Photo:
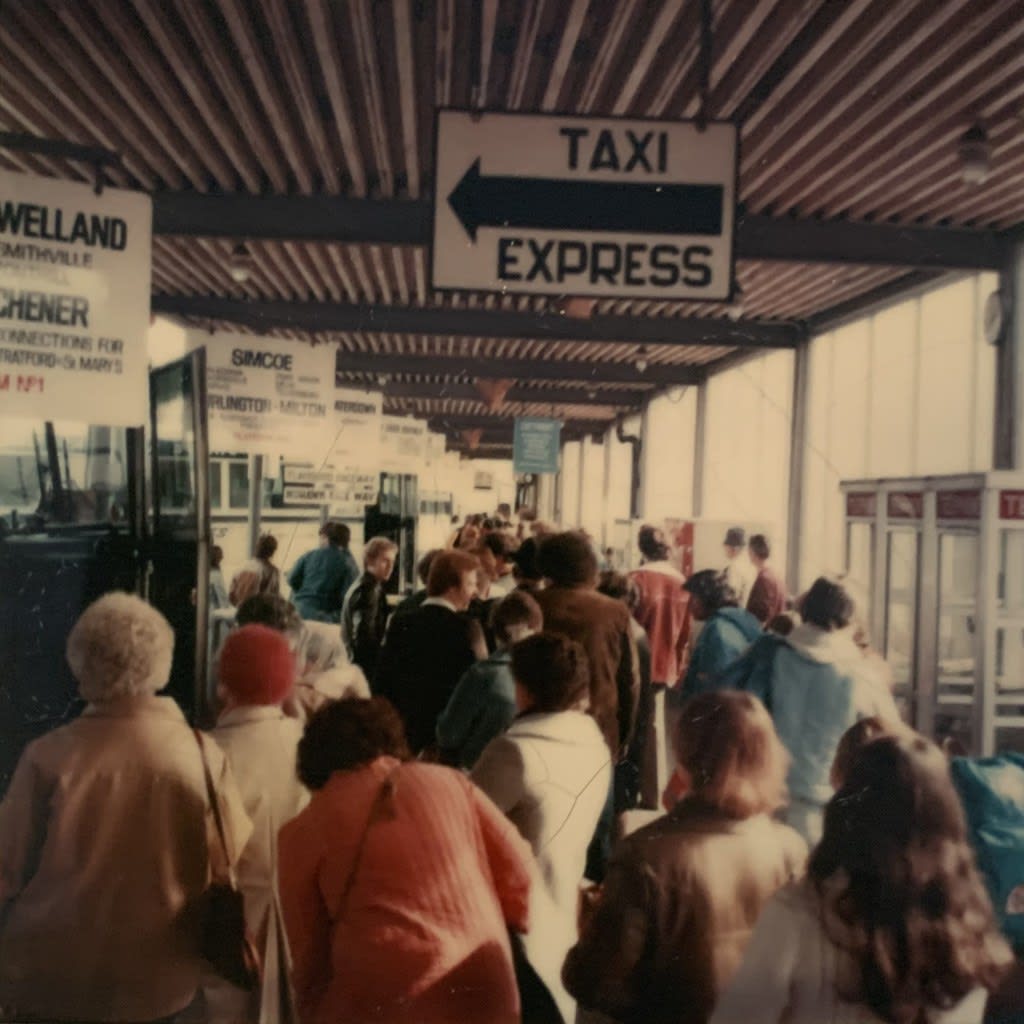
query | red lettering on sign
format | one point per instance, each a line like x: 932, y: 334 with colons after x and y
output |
x: 5, y: 382
x: 861, y: 504
x: 905, y: 505
x: 958, y: 504
x: 1011, y: 504
x: 31, y: 384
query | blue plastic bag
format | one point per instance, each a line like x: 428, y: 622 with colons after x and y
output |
x: 992, y: 792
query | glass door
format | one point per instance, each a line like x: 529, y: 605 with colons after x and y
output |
x: 177, y: 578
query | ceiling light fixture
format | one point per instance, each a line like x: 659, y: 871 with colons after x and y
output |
x: 737, y: 306
x: 241, y: 263
x: 641, y: 359
x: 975, y: 151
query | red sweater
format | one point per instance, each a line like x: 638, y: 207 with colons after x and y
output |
x: 663, y: 614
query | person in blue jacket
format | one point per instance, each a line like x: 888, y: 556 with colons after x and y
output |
x: 321, y: 578
x: 726, y: 633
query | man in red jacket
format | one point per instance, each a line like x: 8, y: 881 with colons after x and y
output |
x: 768, y: 594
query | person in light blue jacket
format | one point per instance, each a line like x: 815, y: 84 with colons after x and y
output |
x: 727, y: 630
x: 816, y: 682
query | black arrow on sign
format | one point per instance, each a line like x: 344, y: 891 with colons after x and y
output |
x: 556, y: 204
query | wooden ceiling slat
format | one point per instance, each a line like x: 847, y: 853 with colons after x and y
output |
x: 302, y: 257
x: 420, y: 266
x: 445, y: 35
x: 216, y: 256
x: 370, y: 80
x: 380, y: 275
x: 343, y: 270
x: 405, y: 58
x: 624, y: 17
x: 529, y: 18
x: 239, y: 18
x: 216, y: 61
x: 64, y: 92
x: 270, y: 254
x: 300, y: 87
x: 60, y: 50
x: 669, y: 80
x: 566, y: 47
x: 172, y: 259
x: 329, y: 59
x: 858, y: 27
x: 357, y: 255
x: 226, y: 158
x: 660, y: 27
x: 133, y: 90
x: 231, y: 135
x: 826, y: 154
x: 922, y: 151
x: 15, y: 119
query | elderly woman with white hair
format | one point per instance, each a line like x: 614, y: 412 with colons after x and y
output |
x: 105, y: 837
x: 325, y: 672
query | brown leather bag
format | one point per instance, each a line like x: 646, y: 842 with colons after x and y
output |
x: 225, y: 940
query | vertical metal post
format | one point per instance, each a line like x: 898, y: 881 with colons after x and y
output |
x: 639, y: 505
x: 797, y: 452
x: 983, y: 711
x: 926, y: 660
x: 1008, y: 442
x: 584, y: 443
x: 606, y: 532
x: 700, y: 428
x: 255, y: 500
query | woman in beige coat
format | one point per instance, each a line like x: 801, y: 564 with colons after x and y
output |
x: 256, y: 672
x: 105, y: 836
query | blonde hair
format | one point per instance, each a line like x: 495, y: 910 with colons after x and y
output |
x: 376, y: 547
x: 727, y: 745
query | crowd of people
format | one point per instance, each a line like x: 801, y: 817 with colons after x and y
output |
x: 429, y: 808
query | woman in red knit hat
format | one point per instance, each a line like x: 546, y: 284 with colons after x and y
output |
x: 256, y: 673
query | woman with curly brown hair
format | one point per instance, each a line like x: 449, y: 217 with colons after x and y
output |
x: 892, y: 923
x: 398, y: 882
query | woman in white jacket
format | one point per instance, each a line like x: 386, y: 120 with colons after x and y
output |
x: 550, y: 774
x: 256, y: 673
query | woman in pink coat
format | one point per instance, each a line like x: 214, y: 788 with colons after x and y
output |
x: 399, y: 882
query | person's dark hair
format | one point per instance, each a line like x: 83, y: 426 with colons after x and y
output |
x: 759, y: 547
x: 216, y: 556
x: 783, y: 624
x: 898, y: 884
x: 447, y: 570
x: 424, y: 564
x: 712, y: 589
x: 828, y: 604
x: 266, y: 546
x: 619, y: 587
x: 346, y: 734
x: 651, y: 542
x: 516, y: 609
x: 496, y: 543
x: 567, y: 559
x: 553, y: 670
x: 726, y: 743
x: 269, y: 610
x: 525, y: 561
x: 491, y: 524
x: 338, y: 534
x: 855, y: 739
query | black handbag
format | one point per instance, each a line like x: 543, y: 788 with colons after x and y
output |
x: 225, y: 941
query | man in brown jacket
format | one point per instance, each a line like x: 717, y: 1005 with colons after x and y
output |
x: 572, y: 606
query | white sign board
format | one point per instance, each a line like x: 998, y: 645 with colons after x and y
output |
x: 558, y: 205
x: 268, y: 395
x: 403, y: 444
x: 357, y: 427
x: 74, y: 301
x: 354, y: 489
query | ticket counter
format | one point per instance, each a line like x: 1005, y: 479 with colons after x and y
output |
x: 940, y: 561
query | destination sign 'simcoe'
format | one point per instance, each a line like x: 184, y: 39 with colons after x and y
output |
x: 584, y: 206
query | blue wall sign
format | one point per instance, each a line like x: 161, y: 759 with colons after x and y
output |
x: 536, y: 445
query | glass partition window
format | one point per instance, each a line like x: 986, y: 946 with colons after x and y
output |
x: 958, y: 600
x: 238, y: 485
x: 859, y: 546
x: 1010, y: 629
x: 901, y: 610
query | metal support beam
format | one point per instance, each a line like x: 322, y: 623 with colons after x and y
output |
x: 468, y: 367
x: 264, y: 314
x: 1008, y: 436
x: 904, y: 287
x: 505, y: 424
x: 797, y: 451
x: 700, y: 427
x: 465, y: 391
x: 403, y: 222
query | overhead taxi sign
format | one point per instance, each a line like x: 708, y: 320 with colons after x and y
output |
x: 557, y: 205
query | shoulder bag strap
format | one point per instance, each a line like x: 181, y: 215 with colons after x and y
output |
x: 211, y: 794
x: 387, y: 787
